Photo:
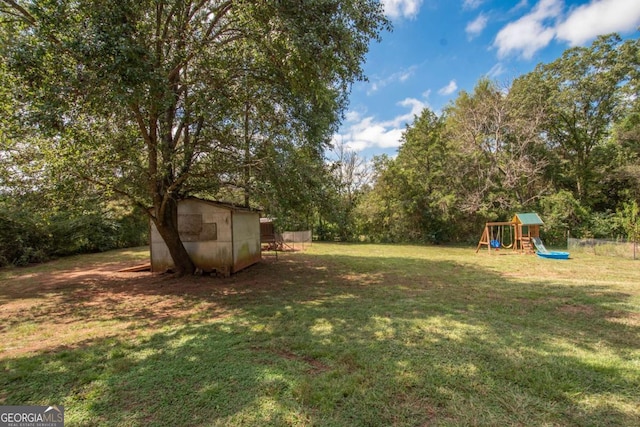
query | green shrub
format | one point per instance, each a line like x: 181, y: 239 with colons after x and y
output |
x: 562, y: 215
x: 22, y: 239
x: 29, y: 236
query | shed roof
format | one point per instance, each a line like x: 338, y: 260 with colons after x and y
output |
x: 530, y: 218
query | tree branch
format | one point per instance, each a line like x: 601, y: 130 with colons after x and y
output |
x: 22, y: 12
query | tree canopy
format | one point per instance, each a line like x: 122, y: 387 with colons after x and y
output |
x: 561, y: 140
x: 157, y: 99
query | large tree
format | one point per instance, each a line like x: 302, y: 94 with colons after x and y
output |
x: 421, y: 175
x: 499, y: 164
x: 582, y: 94
x: 155, y: 99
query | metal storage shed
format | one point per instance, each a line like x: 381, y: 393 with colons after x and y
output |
x: 218, y: 236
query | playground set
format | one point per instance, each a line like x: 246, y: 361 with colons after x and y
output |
x: 520, y: 235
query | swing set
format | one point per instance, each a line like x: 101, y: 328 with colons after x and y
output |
x: 497, y: 235
x: 517, y: 235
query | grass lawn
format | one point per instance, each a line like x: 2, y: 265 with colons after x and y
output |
x: 339, y: 335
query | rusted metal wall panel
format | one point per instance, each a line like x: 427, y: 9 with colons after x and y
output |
x: 160, y: 257
x: 246, y: 239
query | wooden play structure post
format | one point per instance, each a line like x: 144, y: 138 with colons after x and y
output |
x: 523, y: 227
x: 493, y: 236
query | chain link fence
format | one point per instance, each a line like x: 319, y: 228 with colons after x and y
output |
x: 296, y: 240
x: 604, y: 247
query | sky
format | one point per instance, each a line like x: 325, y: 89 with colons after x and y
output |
x: 439, y: 47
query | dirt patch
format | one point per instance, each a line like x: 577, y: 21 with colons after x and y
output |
x: 45, y: 311
x: 626, y: 318
x: 577, y: 309
x: 315, y: 366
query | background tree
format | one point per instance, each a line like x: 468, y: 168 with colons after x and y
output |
x: 295, y: 188
x: 626, y: 132
x: 476, y: 131
x: 499, y: 156
x: 582, y: 99
x: 422, y: 180
x: 379, y: 211
x: 349, y: 179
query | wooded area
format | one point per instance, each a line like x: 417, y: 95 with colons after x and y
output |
x: 563, y: 141
x: 108, y: 109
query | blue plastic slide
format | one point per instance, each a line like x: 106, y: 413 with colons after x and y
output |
x: 544, y: 253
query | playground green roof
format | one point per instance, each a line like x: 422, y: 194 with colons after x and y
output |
x: 531, y: 218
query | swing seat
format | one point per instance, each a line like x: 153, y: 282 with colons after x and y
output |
x: 495, y: 244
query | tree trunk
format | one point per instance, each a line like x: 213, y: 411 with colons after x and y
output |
x: 167, y: 225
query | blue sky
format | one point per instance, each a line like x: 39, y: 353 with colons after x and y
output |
x: 439, y: 47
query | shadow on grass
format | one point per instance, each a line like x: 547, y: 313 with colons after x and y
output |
x: 339, y: 340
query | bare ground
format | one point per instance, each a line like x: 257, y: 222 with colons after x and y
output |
x: 41, y: 312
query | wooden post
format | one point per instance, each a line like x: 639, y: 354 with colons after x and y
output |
x: 484, y: 238
x: 486, y: 235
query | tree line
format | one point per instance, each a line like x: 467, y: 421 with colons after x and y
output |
x: 562, y: 140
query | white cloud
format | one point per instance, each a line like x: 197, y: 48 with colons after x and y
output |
x: 352, y: 116
x: 400, y: 76
x: 369, y: 132
x: 416, y: 108
x: 496, y: 71
x: 521, y: 5
x: 475, y: 27
x: 531, y: 32
x: 404, y: 76
x: 402, y: 8
x: 471, y: 4
x: 599, y: 17
x: 449, y: 89
x: 546, y: 22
